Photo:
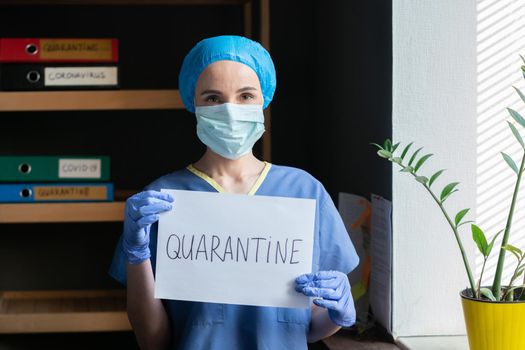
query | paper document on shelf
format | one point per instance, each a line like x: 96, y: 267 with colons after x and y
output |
x: 234, y: 249
x: 356, y: 213
x: 381, y: 254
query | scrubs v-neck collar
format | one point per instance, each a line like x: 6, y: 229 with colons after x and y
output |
x: 219, y: 188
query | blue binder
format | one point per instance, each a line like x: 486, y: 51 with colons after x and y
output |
x: 56, y: 192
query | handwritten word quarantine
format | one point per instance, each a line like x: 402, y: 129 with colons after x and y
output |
x: 212, y: 248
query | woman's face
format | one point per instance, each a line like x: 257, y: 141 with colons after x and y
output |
x: 228, y: 82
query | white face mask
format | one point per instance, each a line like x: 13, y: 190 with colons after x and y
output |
x: 230, y: 129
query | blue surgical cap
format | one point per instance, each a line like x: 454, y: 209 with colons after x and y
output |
x: 230, y: 48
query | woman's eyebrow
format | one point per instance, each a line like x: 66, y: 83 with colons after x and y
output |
x: 217, y: 92
x: 205, y: 92
x: 246, y: 88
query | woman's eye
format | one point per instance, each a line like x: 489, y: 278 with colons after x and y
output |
x: 247, y: 97
x: 213, y: 99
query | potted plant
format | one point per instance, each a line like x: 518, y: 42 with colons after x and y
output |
x: 495, y: 314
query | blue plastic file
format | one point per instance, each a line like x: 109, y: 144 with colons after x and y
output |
x: 56, y: 192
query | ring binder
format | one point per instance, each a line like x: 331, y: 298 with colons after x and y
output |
x: 58, y: 50
x: 54, y: 168
x: 22, y: 77
x: 56, y: 192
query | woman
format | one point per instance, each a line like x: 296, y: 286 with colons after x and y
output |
x: 227, y: 81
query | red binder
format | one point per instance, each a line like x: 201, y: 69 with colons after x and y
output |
x: 58, y: 50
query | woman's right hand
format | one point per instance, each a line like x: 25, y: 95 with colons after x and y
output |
x: 142, y: 210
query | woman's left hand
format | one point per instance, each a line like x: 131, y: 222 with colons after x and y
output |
x: 332, y: 291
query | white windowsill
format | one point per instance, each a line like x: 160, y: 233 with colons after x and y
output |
x: 452, y: 342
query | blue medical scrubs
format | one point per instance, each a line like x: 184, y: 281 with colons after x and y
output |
x: 210, y: 326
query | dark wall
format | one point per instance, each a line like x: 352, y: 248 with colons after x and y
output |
x: 334, y: 65
x: 294, y: 54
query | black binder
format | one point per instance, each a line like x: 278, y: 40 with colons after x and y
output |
x: 24, y: 77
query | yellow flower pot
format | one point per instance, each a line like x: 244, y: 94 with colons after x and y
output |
x: 494, y: 325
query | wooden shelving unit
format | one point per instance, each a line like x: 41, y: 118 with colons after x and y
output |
x: 40, y: 311
x: 63, y: 311
x: 61, y: 212
x: 89, y: 100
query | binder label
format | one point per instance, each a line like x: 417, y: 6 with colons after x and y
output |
x: 80, y: 76
x: 79, y: 168
x: 46, y: 193
x: 95, y: 49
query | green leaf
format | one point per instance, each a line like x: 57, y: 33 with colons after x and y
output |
x: 516, y: 134
x: 517, y: 117
x: 403, y: 154
x: 397, y: 160
x: 510, y: 162
x: 388, y: 145
x: 444, y: 199
x: 514, y: 250
x: 447, y: 190
x: 481, y: 241
x: 422, y: 179
x: 378, y: 146
x: 421, y: 161
x: 520, y: 93
x: 384, y: 154
x: 523, y: 59
x: 489, y: 248
x: 395, y: 147
x: 434, y: 177
x: 460, y: 215
x: 407, y: 169
x: 414, y: 156
x: 487, y: 293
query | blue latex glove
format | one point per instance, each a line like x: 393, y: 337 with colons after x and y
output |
x: 332, y: 291
x: 142, y: 210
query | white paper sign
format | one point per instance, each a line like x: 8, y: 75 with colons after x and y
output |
x: 234, y: 249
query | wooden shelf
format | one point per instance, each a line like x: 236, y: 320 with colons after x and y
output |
x: 89, y: 100
x: 61, y: 212
x: 63, y: 311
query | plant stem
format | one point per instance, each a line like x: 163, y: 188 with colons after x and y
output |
x: 456, y: 234
x: 496, y: 285
x: 458, y: 239
x: 512, y: 279
x: 521, y: 291
x: 481, y: 276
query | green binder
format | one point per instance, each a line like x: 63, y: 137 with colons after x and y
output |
x: 54, y: 168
